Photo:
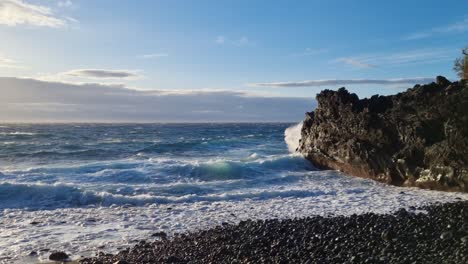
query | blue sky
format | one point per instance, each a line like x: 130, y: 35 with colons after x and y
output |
x: 274, y: 48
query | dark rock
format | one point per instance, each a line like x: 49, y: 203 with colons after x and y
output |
x: 58, y: 256
x: 161, y: 234
x: 386, y: 235
x: 442, y: 81
x: 446, y: 235
x: 33, y: 254
x: 415, y: 138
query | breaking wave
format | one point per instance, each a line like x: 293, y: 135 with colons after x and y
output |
x: 292, y: 135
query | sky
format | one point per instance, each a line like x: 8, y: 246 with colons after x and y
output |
x: 215, y: 60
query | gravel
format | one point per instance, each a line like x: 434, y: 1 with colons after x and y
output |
x: 431, y: 234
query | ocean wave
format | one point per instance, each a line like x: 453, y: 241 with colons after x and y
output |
x: 43, y: 196
x: 74, y: 151
x: 40, y: 196
x: 9, y: 142
x: 292, y: 135
x: 227, y: 169
x: 221, y: 170
x: 199, y: 145
x: 17, y: 133
x: 169, y: 147
x: 291, y: 162
x: 165, y: 170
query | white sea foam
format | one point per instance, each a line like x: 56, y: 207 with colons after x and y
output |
x: 292, y: 135
x: 16, y: 133
x: 82, y: 230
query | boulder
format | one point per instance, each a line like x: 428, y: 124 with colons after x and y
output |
x: 415, y: 138
x: 58, y: 256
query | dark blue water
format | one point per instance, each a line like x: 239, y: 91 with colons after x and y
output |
x: 57, y: 166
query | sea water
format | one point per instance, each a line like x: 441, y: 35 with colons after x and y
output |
x: 84, y: 188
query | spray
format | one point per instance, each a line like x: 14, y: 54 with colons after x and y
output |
x: 292, y: 135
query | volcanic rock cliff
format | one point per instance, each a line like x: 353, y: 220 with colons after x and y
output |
x: 414, y: 138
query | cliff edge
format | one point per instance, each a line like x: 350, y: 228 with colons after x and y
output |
x: 414, y: 138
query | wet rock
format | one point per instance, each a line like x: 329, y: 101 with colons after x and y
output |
x: 160, y: 234
x: 386, y: 235
x: 58, y: 256
x: 446, y: 235
x: 415, y: 138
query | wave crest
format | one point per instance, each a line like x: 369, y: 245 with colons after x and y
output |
x: 292, y: 135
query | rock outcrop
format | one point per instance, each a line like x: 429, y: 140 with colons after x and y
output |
x: 415, y: 138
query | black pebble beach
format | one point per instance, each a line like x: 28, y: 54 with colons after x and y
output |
x: 431, y: 234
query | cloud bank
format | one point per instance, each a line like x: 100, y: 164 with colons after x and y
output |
x: 153, y: 55
x: 30, y: 100
x: 313, y: 83
x: 103, y: 74
x: 9, y: 63
x: 355, y: 62
x: 18, y: 12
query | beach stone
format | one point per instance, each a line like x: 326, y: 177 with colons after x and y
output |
x: 58, y: 256
x: 160, y: 234
x: 446, y: 235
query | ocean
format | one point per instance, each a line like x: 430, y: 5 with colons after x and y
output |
x: 84, y: 188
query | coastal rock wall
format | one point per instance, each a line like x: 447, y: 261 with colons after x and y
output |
x: 415, y: 138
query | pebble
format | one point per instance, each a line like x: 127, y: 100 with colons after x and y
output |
x: 403, y: 237
x: 58, y: 256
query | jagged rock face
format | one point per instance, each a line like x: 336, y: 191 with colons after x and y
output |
x: 415, y: 138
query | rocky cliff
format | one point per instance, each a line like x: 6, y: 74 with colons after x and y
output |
x: 415, y: 138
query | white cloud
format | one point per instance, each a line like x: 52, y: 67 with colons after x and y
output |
x: 6, y: 61
x: 458, y: 27
x: 309, y: 52
x: 356, y: 62
x: 19, y: 12
x: 313, y: 83
x: 153, y: 55
x: 397, y: 58
x: 26, y: 100
x: 103, y: 74
x: 242, y: 41
x: 220, y: 39
x: 65, y: 3
x: 9, y: 63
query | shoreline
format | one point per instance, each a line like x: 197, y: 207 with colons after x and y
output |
x: 436, y: 233
x: 111, y: 229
